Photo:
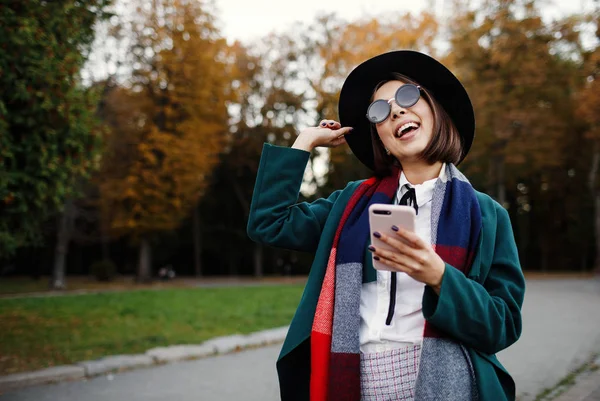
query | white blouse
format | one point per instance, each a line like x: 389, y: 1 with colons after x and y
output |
x: 408, y: 322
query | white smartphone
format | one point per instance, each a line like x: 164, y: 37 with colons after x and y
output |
x: 381, y: 219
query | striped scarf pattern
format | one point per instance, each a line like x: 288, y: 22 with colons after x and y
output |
x: 335, y: 346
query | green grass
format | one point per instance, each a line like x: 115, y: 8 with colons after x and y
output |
x: 49, y: 331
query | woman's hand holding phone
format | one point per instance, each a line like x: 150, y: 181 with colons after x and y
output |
x: 401, y: 250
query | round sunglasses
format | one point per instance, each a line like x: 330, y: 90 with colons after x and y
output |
x: 406, y: 96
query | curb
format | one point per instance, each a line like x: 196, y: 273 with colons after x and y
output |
x: 152, y: 357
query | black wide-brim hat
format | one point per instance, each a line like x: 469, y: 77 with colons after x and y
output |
x: 358, y: 88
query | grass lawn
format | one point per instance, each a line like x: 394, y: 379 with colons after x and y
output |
x: 12, y: 286
x: 49, y: 331
x: 20, y: 285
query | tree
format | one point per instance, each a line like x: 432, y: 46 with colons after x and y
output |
x: 519, y: 72
x: 268, y: 105
x: 48, y: 134
x: 502, y: 53
x: 167, y: 126
x: 588, y: 104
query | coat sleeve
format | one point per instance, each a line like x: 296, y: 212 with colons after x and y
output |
x: 275, y: 216
x: 484, y: 317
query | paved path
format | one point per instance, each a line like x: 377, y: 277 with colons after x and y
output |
x: 561, y: 330
x: 248, y: 376
x: 587, y: 387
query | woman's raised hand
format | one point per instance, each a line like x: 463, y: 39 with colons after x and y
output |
x: 328, y: 133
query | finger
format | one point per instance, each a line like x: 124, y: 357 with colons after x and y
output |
x: 398, y: 244
x: 341, y: 131
x: 393, y: 265
x: 338, y: 141
x: 410, y: 237
x: 400, y: 259
x: 334, y: 124
x: 323, y: 124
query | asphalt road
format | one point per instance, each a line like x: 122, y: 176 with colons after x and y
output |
x: 561, y: 330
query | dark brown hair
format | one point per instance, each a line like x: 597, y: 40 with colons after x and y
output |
x: 445, y: 145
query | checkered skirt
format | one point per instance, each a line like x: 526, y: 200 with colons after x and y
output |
x: 389, y: 375
x: 437, y: 370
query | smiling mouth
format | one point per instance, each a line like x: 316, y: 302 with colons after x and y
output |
x: 406, y: 129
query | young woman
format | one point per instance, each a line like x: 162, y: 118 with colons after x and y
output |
x: 427, y: 327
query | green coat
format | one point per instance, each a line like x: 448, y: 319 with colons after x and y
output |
x: 481, y: 310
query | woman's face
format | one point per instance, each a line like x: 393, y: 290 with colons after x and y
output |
x: 407, y: 131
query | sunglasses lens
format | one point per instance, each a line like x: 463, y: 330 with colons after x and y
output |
x: 378, y: 111
x: 407, y: 95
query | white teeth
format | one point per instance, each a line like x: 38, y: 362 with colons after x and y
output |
x: 400, y: 130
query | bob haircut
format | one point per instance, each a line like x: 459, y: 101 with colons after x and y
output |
x: 445, y: 145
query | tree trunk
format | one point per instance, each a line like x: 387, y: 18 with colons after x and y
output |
x: 258, y: 249
x: 496, y: 174
x: 500, y: 184
x: 597, y: 230
x: 63, y: 238
x: 232, y: 264
x: 596, y: 198
x: 545, y: 252
x: 542, y: 240
x: 105, y: 239
x: 524, y: 235
x: 197, y: 243
x: 258, y: 260
x: 491, y: 179
x: 144, y: 266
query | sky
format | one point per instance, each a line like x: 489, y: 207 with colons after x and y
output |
x: 247, y: 20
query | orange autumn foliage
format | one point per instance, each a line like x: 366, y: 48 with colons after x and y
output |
x: 169, y: 124
x: 588, y: 99
x: 504, y: 54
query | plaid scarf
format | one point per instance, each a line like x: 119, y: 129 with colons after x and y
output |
x: 335, y: 347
